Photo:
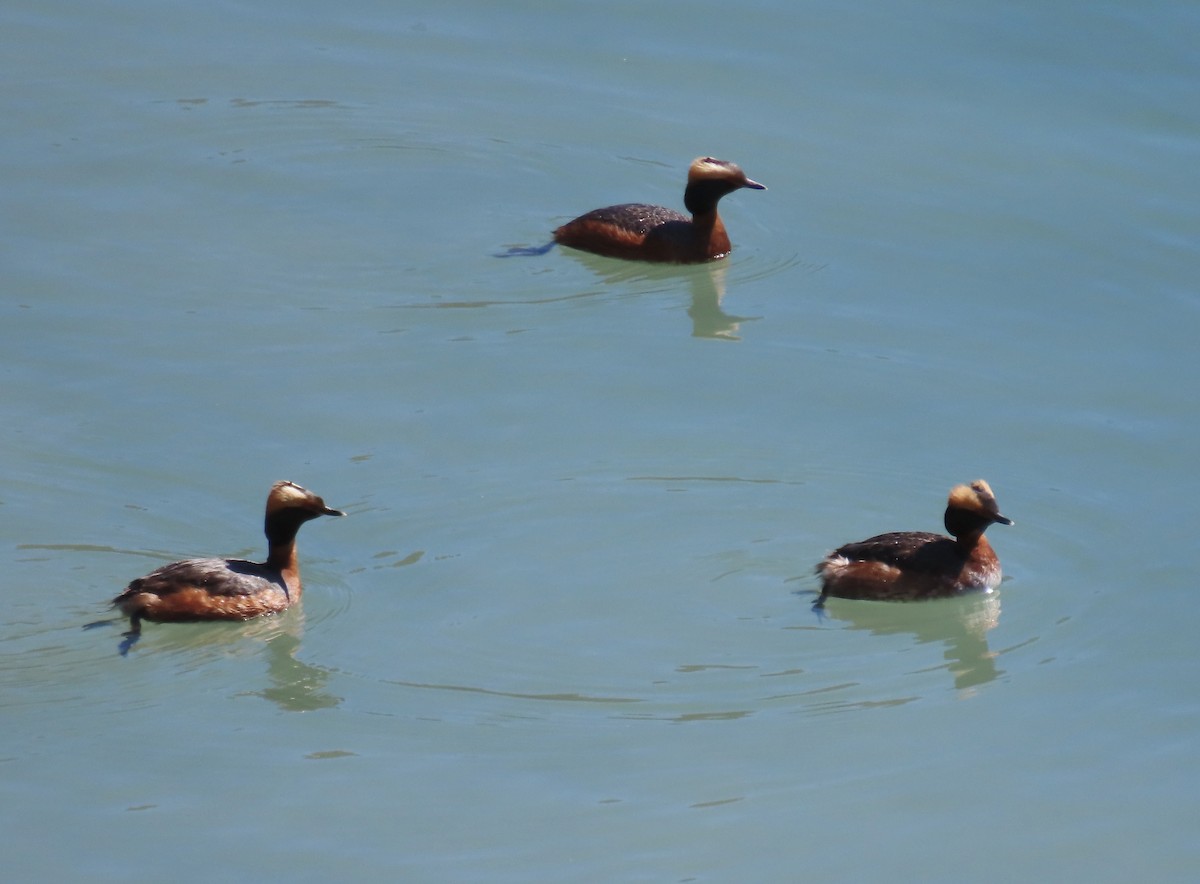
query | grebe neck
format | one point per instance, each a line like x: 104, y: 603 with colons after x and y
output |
x: 701, y: 197
x: 281, y: 528
x: 966, y: 527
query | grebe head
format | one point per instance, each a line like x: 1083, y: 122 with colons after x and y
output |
x: 290, y: 496
x: 972, y: 507
x: 710, y: 179
x: 712, y: 169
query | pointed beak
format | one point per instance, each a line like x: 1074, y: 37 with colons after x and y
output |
x: 1002, y: 520
x: 329, y: 511
x: 754, y: 185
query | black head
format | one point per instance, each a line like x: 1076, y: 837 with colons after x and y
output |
x: 971, y: 508
x: 289, y: 506
x: 709, y: 179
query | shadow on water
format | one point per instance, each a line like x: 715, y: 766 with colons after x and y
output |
x: 960, y: 624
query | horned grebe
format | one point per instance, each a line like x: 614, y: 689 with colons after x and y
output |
x: 653, y: 233
x: 228, y: 589
x: 910, y: 565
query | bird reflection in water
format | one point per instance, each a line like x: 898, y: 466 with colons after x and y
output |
x: 961, y: 624
x: 295, y: 686
x: 706, y: 283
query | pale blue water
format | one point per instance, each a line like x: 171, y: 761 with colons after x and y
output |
x: 565, y: 634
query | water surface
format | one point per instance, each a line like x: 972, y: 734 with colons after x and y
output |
x: 565, y: 633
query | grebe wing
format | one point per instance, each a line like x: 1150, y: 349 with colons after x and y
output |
x: 637, y: 217
x: 895, y: 548
x: 215, y: 576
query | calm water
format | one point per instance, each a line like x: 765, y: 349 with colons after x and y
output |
x: 565, y: 633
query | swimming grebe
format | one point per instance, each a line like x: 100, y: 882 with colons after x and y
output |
x: 228, y: 589
x: 910, y: 565
x: 653, y: 233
